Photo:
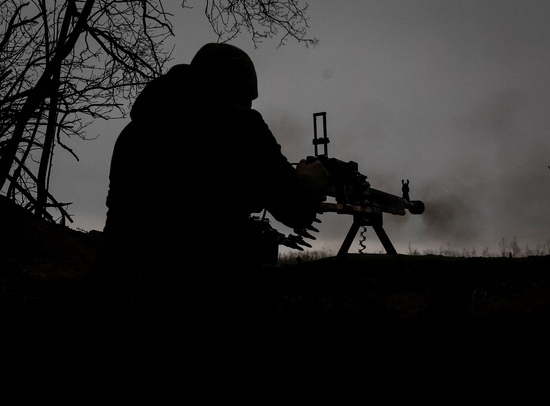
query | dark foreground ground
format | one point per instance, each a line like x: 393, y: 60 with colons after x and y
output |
x: 369, y: 329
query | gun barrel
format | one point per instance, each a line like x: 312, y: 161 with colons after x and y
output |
x: 393, y: 204
x: 416, y: 207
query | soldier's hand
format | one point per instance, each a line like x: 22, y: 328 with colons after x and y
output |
x: 314, y: 170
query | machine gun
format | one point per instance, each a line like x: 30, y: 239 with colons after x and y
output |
x: 354, y: 196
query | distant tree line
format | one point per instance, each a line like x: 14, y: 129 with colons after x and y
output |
x: 506, y: 248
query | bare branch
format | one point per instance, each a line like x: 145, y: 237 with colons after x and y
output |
x: 261, y: 18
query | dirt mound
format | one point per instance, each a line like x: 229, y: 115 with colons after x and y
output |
x: 365, y: 328
x: 40, y: 259
x: 41, y: 248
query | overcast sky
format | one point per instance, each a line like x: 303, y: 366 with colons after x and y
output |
x: 453, y: 95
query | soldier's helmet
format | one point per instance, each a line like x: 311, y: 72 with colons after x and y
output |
x: 225, y: 71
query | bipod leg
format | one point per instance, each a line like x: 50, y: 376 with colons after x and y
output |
x: 384, y: 239
x: 350, y: 236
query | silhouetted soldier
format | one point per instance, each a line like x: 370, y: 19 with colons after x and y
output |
x: 195, y: 161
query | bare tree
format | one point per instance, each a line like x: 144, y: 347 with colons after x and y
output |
x: 64, y: 63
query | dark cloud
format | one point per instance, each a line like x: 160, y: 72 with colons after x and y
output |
x: 496, y: 117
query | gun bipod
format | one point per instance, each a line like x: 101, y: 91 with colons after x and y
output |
x: 361, y: 218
